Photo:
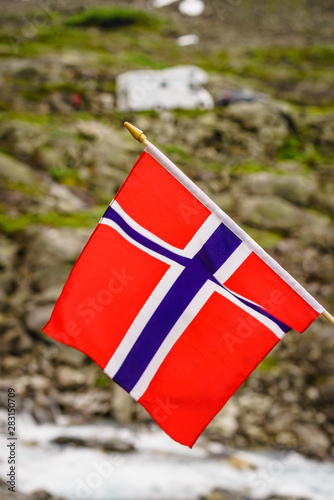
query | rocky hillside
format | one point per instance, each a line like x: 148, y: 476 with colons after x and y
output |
x: 269, y: 165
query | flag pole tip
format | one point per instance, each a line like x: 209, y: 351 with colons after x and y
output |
x: 136, y: 133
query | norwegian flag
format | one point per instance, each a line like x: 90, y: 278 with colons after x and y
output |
x: 174, y: 301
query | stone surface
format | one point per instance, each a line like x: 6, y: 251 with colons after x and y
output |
x: 8, y: 250
x: 37, y: 317
x: 123, y: 405
x: 226, y: 422
x: 266, y: 120
x: 272, y: 213
x: 21, y: 138
x: 313, y: 439
x: 63, y: 200
x: 51, y: 252
x: 14, y: 339
x: 69, y: 356
x: 268, y: 165
x: 69, y: 378
x: 15, y: 172
x: 296, y: 189
x: 326, y: 392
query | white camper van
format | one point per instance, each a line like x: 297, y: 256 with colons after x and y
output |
x: 171, y: 88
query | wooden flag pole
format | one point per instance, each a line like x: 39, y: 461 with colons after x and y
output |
x: 141, y: 137
x: 328, y: 316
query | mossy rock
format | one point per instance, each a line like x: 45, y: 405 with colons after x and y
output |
x: 113, y: 17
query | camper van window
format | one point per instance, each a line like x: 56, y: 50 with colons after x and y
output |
x: 194, y: 87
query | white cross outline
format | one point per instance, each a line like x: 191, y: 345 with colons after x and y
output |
x: 222, y: 274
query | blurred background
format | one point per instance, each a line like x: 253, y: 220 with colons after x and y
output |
x: 255, y: 130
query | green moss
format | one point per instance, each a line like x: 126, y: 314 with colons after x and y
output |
x: 138, y: 47
x: 60, y: 36
x: 103, y: 382
x: 4, y: 106
x: 48, y: 38
x: 189, y: 113
x: 173, y: 149
x: 11, y: 225
x: 291, y: 149
x: 302, y: 57
x: 113, y: 17
x: 313, y: 156
x: 88, y: 218
x: 266, y: 239
x: 35, y: 92
x: 276, y: 70
x: 177, y: 154
x: 295, y: 148
x: 213, y: 166
x: 249, y: 168
x: 285, y: 67
x: 267, y: 364
x: 69, y: 86
x: 67, y: 176
x: 39, y: 119
x: 222, y: 61
x: 138, y: 59
x: 31, y: 190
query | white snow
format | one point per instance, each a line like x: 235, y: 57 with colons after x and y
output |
x: 185, y: 40
x: 188, y: 7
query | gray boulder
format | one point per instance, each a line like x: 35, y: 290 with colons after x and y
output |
x: 50, y: 254
x: 21, y: 138
x: 296, y: 189
x: 272, y: 213
x: 262, y: 118
x: 15, y: 172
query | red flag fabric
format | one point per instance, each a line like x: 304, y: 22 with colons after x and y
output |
x: 174, y: 301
